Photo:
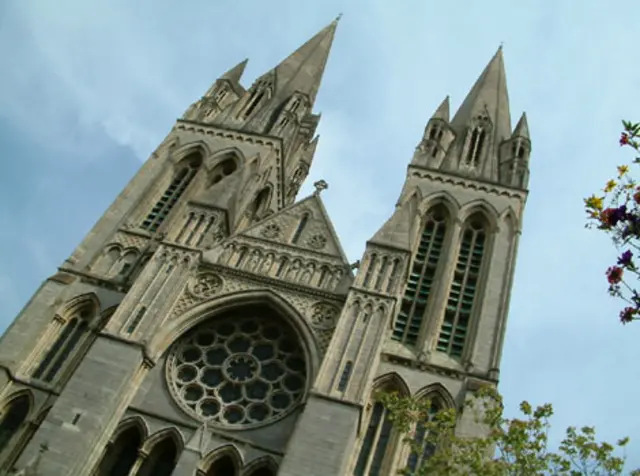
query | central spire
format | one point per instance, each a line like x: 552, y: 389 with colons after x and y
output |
x: 302, y: 70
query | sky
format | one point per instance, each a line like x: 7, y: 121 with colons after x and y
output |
x: 89, y: 89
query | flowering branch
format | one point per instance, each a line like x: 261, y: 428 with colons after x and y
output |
x: 617, y: 213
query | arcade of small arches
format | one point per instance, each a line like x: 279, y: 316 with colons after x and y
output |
x: 130, y: 452
x: 119, y: 262
x: 380, y: 447
x: 282, y: 265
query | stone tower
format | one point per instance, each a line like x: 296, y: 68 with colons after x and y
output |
x: 210, y: 323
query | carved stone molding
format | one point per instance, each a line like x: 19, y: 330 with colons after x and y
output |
x: 324, y: 315
x: 271, y: 231
x: 205, y: 285
x: 317, y: 242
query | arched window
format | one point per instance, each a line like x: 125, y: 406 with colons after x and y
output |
x: 209, y: 222
x: 421, y: 279
x: 107, y: 261
x: 12, y: 418
x: 300, y: 229
x: 126, y: 263
x: 172, y: 193
x: 221, y: 94
x: 417, y: 458
x: 261, y: 203
x: 223, y: 169
x: 223, y: 467
x: 136, y: 320
x: 293, y: 106
x: 256, y: 97
x: 457, y: 316
x: 375, y: 444
x: 370, y: 269
x: 121, y: 454
x: 74, y: 331
x: 381, y: 273
x: 474, y: 148
x: 140, y: 266
x: 344, y: 377
x: 162, y: 459
x: 393, y: 276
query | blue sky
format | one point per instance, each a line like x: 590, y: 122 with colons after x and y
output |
x: 88, y: 89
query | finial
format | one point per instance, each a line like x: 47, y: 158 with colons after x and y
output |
x: 320, y: 185
x: 338, y: 17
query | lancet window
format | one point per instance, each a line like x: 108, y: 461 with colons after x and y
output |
x: 421, y: 278
x: 462, y: 294
x: 376, y: 449
x: 475, y: 145
x: 172, y: 193
x: 73, y: 333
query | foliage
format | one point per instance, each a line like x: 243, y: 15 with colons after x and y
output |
x: 512, y: 446
x: 616, y: 211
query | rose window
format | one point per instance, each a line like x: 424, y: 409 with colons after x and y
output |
x: 242, y: 369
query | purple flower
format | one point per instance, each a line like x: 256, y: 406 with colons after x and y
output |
x: 625, y: 258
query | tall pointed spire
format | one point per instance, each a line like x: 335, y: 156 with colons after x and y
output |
x: 302, y: 70
x: 235, y: 73
x: 489, y: 94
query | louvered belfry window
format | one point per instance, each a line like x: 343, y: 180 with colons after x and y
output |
x: 421, y: 278
x: 172, y: 194
x: 457, y: 316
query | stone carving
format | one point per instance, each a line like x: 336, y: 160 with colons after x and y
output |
x: 307, y: 273
x: 130, y: 240
x: 324, y: 338
x: 267, y: 263
x: 292, y: 272
x: 324, y: 315
x: 205, y: 285
x: 320, y: 185
x: 254, y: 260
x: 317, y: 242
x: 238, y: 371
x: 217, y: 236
x: 271, y: 230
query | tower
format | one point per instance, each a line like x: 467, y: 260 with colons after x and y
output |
x: 211, y: 324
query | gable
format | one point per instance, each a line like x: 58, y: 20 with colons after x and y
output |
x: 289, y: 226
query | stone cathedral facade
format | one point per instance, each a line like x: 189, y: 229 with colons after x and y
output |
x: 210, y: 323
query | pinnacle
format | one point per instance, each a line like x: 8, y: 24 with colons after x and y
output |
x: 443, y: 110
x: 522, y: 127
x: 235, y: 73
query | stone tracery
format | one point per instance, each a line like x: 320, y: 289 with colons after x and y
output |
x: 243, y: 369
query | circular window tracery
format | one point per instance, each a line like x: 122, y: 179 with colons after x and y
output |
x: 243, y: 369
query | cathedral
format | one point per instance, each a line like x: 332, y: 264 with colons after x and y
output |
x: 210, y: 324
